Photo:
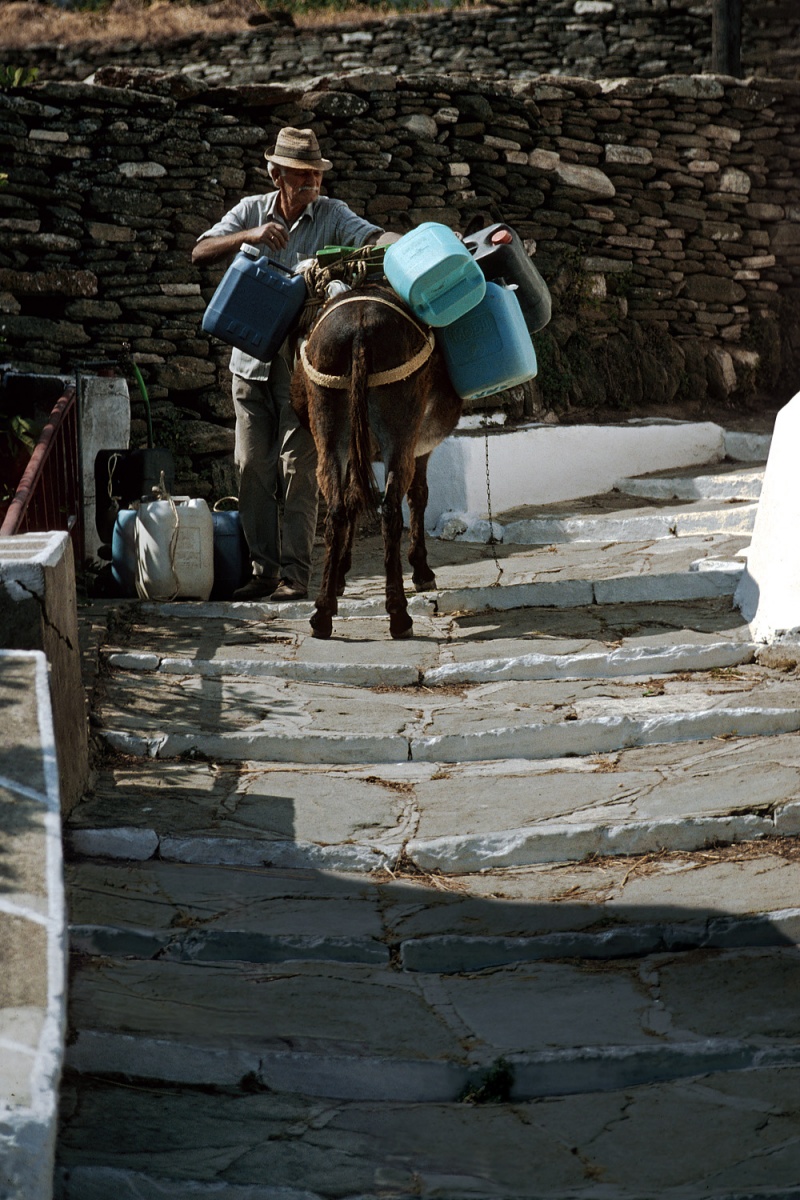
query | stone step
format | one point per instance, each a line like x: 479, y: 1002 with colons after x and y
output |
x: 635, y: 525
x: 741, y: 895
x: 622, y: 639
x: 474, y: 576
x: 236, y: 718
x: 728, y: 481
x: 611, y: 517
x: 737, y: 1133
x: 453, y: 818
x: 357, y: 1031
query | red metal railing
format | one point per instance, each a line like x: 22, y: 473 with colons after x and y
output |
x: 49, y: 495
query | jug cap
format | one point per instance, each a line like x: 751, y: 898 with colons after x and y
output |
x: 250, y: 250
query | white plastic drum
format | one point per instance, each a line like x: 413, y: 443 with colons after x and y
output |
x: 174, y: 549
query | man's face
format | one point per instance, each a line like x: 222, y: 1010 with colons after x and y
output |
x: 297, y: 188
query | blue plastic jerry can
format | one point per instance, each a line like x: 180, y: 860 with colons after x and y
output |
x: 231, y: 555
x: 489, y: 349
x: 434, y: 273
x: 123, y: 552
x: 256, y: 305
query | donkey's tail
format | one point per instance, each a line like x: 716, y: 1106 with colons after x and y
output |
x: 361, y: 487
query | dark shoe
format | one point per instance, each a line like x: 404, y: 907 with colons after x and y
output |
x: 287, y: 590
x: 258, y: 588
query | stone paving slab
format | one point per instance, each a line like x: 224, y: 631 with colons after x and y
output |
x: 356, y: 1031
x: 731, y: 1138
x: 742, y: 895
x: 216, y: 913
x: 737, y: 1133
x: 510, y: 814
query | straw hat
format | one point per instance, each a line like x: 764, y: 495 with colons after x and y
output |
x: 298, y: 148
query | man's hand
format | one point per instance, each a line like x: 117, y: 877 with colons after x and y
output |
x: 273, y: 235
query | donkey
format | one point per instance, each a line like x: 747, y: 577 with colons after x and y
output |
x: 370, y: 380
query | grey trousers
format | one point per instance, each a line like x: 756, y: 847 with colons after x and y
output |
x: 276, y: 457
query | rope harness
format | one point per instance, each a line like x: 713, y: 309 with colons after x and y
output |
x: 380, y: 378
x: 354, y: 269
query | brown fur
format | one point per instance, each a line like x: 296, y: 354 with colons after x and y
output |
x: 402, y: 422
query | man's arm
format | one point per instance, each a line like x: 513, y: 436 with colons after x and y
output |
x: 212, y: 249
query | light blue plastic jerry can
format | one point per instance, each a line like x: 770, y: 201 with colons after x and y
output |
x: 489, y: 349
x: 434, y: 273
x: 256, y: 305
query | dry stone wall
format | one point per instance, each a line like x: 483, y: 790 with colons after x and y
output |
x: 588, y: 38
x: 664, y: 214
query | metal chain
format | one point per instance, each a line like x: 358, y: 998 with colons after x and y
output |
x: 492, y: 539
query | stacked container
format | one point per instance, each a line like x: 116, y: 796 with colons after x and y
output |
x: 480, y: 324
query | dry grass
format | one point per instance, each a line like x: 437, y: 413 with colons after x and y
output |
x: 25, y: 22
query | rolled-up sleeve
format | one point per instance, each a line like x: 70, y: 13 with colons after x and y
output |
x: 352, y: 230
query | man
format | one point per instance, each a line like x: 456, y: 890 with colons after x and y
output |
x: 290, y: 223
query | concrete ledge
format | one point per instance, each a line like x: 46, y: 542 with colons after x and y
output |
x: 38, y: 611
x: 32, y: 930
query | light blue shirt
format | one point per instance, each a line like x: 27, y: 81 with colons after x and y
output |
x: 324, y: 222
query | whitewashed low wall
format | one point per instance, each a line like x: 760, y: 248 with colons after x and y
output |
x: 542, y: 464
x: 32, y: 930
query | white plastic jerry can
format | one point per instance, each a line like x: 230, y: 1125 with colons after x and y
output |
x: 174, y: 540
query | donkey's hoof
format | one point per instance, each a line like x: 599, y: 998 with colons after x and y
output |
x: 321, y: 625
x: 425, y: 585
x: 401, y: 627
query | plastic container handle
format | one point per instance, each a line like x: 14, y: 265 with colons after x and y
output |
x: 254, y: 253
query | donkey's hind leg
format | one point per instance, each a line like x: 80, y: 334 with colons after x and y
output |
x: 326, y: 604
x: 346, y: 557
x: 422, y: 576
x: 400, y: 623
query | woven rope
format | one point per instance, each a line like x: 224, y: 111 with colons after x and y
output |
x: 380, y: 378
